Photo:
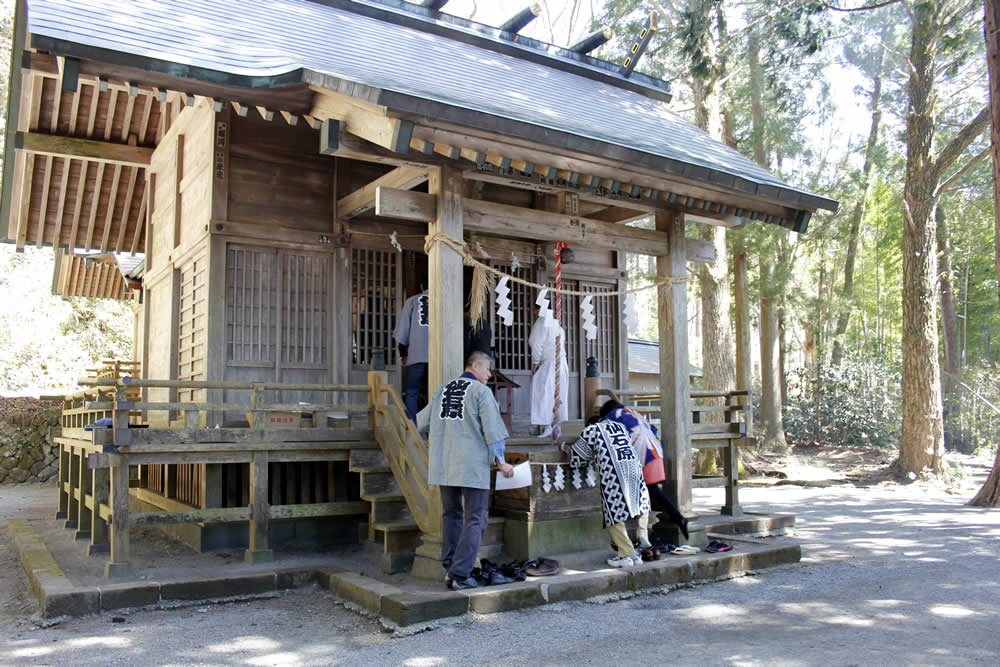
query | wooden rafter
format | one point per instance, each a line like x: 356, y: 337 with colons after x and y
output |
x: 44, y: 210
x: 363, y: 199
x: 123, y: 223
x: 61, y: 208
x: 94, y: 201
x: 25, y: 201
x: 140, y: 227
x: 109, y: 117
x: 97, y: 151
x: 109, y: 215
x: 78, y: 206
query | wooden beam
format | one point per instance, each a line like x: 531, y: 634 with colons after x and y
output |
x: 363, y: 200
x: 405, y: 204
x: 98, y: 151
x: 503, y: 220
x: 140, y: 218
x: 109, y: 117
x: 617, y: 214
x: 363, y: 119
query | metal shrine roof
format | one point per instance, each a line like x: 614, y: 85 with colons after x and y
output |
x: 420, y: 61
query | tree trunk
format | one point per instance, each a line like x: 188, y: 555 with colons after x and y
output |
x: 989, y: 495
x: 856, y: 216
x: 770, y: 399
x: 948, y: 316
x: 921, y: 446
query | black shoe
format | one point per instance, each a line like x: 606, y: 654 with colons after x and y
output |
x: 462, y: 584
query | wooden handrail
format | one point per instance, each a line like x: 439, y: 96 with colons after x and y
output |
x: 410, y: 426
x: 209, y: 384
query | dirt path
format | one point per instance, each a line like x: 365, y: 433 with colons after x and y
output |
x: 891, y: 575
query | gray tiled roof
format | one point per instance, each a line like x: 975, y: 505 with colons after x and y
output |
x: 644, y: 357
x: 264, y: 40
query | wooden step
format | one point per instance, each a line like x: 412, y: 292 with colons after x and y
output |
x: 383, y: 497
x: 390, y: 511
x: 378, y: 483
x: 368, y: 460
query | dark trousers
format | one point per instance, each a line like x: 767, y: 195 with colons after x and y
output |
x: 659, y: 502
x: 463, y: 525
x: 416, y: 378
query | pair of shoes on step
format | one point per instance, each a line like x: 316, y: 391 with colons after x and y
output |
x: 625, y: 561
x: 462, y: 584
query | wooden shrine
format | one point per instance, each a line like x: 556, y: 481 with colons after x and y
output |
x: 281, y: 172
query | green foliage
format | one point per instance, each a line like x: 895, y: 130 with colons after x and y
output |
x: 857, y: 404
x: 47, y: 342
x: 971, y: 417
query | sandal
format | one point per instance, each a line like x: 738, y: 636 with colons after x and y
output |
x: 718, y: 547
x: 684, y: 550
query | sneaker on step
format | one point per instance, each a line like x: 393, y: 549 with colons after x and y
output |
x: 637, y: 559
x: 622, y: 561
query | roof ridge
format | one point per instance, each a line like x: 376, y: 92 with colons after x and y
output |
x: 417, y: 17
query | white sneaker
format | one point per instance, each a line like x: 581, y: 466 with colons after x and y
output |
x: 637, y: 560
x: 644, y: 541
x: 622, y: 561
x: 546, y: 432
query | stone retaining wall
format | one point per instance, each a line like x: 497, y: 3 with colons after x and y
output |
x: 27, y: 451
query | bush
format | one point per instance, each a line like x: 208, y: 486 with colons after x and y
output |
x: 855, y: 404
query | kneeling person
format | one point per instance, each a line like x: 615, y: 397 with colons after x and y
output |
x: 467, y: 435
x: 608, y: 446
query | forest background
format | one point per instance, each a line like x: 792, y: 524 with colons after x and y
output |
x: 877, y: 328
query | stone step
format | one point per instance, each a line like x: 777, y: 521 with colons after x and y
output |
x: 368, y: 460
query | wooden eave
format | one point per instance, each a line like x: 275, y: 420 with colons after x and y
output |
x: 81, y: 154
x: 95, y: 277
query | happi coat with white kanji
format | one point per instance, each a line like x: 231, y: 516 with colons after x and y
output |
x: 608, y: 446
x: 463, y: 420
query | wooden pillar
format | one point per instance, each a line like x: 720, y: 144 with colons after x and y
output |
x: 83, y: 524
x: 260, y: 511
x: 444, y: 273
x: 63, y: 511
x: 121, y: 549
x: 675, y: 387
x: 101, y: 485
x: 73, y: 515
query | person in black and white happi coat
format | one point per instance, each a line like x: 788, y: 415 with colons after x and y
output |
x: 608, y: 446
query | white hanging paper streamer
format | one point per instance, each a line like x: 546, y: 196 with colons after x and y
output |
x: 482, y: 251
x: 587, y: 317
x: 631, y: 315
x: 504, y: 312
x: 591, y: 476
x: 560, y: 482
x: 546, y: 482
x: 394, y: 240
x: 515, y: 263
x: 577, y: 479
x: 544, y: 310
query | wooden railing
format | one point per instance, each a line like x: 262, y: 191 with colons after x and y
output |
x: 406, y: 452
x: 718, y: 420
x: 94, y: 468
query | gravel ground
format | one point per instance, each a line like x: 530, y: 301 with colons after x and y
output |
x: 890, y: 575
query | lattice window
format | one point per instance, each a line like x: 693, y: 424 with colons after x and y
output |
x: 374, y: 301
x: 251, y: 305
x: 511, y: 343
x: 191, y: 326
x: 607, y: 319
x: 305, y: 298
